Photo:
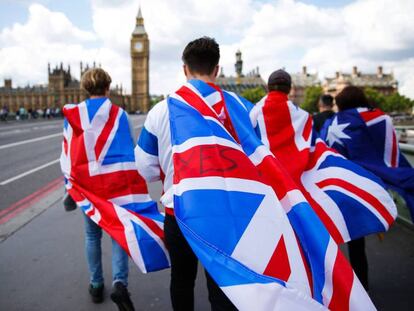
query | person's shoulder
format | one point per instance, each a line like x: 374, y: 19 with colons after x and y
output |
x: 158, y: 110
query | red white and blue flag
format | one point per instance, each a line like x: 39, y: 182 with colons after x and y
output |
x: 99, y: 167
x: 243, y: 216
x: 367, y: 137
x: 351, y: 201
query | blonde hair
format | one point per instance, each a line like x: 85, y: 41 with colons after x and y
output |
x: 96, y: 81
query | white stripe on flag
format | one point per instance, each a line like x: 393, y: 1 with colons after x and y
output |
x: 330, y: 259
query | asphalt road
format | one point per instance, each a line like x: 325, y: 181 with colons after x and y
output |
x: 29, y: 153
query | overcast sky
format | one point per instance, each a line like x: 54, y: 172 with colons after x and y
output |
x: 326, y: 36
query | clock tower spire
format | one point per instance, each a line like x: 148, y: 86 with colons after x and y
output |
x: 140, y: 66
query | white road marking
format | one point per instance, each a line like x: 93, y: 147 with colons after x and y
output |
x: 7, y: 181
x: 30, y: 140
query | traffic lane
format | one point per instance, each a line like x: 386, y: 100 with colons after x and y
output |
x: 37, y: 130
x: 17, y: 190
x: 24, y: 133
x: 19, y: 159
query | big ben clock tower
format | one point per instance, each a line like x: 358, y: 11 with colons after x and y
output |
x: 140, y: 66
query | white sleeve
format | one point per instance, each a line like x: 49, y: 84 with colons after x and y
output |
x: 146, y: 150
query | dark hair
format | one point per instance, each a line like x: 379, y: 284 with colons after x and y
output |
x: 279, y: 87
x: 279, y: 80
x: 96, y: 81
x: 326, y: 100
x: 351, y: 97
x: 202, y: 55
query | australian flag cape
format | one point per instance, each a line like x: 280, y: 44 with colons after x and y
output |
x: 367, y: 137
x: 243, y: 216
x: 99, y: 167
x: 351, y: 201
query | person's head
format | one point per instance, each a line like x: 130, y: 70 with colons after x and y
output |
x: 280, y: 81
x: 201, y: 58
x: 351, y: 97
x: 96, y: 82
x: 325, y: 102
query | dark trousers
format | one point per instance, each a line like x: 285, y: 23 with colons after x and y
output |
x: 184, y: 272
x: 358, y: 260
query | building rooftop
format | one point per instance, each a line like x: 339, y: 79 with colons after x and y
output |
x: 304, y: 78
x: 378, y: 80
x: 240, y: 82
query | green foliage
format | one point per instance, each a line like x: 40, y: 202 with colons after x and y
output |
x: 154, y: 99
x: 310, y: 102
x: 254, y: 95
x: 375, y: 98
x: 397, y: 102
x: 389, y: 103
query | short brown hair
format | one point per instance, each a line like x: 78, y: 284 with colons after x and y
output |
x: 202, y: 55
x: 279, y: 80
x: 351, y: 97
x: 96, y: 81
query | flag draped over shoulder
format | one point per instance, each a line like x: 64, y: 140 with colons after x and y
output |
x: 367, y: 137
x: 351, y: 201
x: 99, y: 167
x: 243, y: 216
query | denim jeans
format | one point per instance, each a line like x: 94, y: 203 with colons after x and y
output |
x: 93, y: 235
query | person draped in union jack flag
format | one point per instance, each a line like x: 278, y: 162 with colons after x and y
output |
x: 366, y: 136
x: 351, y: 201
x: 99, y: 167
x: 231, y: 204
x: 154, y: 162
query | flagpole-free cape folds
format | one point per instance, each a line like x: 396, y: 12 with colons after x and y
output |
x: 351, y: 201
x: 367, y: 137
x: 99, y: 167
x: 245, y: 219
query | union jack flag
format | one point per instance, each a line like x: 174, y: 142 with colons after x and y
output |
x: 350, y: 201
x: 99, y: 167
x: 243, y: 216
x: 367, y: 137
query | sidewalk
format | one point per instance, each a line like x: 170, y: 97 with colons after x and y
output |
x: 42, y: 267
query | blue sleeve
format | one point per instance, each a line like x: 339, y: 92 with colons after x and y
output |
x: 148, y: 142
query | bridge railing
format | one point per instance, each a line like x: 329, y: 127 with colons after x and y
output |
x: 403, y: 212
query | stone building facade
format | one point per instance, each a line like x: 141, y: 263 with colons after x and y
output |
x: 240, y: 82
x: 300, y: 81
x: 61, y: 89
x: 384, y: 83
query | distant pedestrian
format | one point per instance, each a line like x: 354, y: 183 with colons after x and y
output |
x: 325, y: 106
x: 96, y: 82
x: 366, y: 136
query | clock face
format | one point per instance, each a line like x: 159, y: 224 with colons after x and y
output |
x: 138, y: 46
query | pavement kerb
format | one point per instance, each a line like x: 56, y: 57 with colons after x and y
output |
x: 23, y: 218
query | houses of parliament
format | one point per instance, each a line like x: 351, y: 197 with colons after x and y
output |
x: 63, y: 88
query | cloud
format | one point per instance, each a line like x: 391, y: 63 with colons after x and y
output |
x: 284, y: 33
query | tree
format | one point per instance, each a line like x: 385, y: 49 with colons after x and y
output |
x: 254, y: 95
x: 154, y: 99
x: 389, y: 103
x: 397, y: 103
x: 312, y: 94
x: 375, y: 98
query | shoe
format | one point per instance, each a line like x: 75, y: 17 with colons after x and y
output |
x: 96, y: 293
x: 120, y: 296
